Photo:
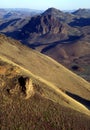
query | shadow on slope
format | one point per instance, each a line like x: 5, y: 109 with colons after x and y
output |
x: 16, y: 35
x: 6, y: 24
x: 80, y: 99
x: 80, y: 22
x: 52, y: 45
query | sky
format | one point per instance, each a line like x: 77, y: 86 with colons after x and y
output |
x: 45, y: 4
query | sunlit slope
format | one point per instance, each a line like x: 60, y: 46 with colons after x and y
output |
x: 44, y: 67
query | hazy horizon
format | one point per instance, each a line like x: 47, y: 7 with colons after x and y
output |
x: 43, y: 5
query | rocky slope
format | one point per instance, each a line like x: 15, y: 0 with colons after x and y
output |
x: 36, y: 92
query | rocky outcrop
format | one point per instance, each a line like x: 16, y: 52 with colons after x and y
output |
x: 13, y: 84
x: 43, y: 25
x: 20, y: 86
x: 26, y: 86
x: 29, y: 88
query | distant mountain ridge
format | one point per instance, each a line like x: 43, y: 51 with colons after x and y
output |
x: 9, y: 13
x: 82, y: 13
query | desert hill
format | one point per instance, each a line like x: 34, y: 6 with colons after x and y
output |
x: 39, y: 93
x: 12, y: 25
x: 82, y: 13
x: 12, y: 13
x: 70, y: 54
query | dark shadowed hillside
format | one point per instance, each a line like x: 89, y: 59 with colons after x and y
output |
x: 81, y: 22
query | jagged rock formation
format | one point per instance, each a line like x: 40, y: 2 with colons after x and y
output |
x: 44, y: 25
x: 26, y: 86
x: 22, y: 86
x: 62, y: 16
x: 13, y: 83
x: 29, y: 88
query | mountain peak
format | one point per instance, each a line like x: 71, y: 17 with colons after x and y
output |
x: 52, y: 11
